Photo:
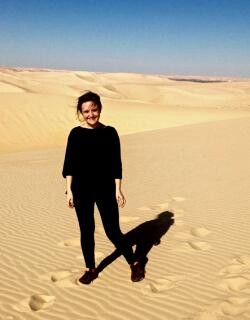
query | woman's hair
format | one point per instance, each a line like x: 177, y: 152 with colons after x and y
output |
x: 88, y: 96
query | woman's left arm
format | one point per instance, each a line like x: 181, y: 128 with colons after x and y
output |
x: 118, y: 192
x: 117, y: 168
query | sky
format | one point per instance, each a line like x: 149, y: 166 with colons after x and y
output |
x: 171, y: 37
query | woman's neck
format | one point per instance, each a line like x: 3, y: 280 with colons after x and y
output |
x: 97, y: 125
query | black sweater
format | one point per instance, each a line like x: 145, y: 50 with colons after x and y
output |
x: 93, y: 153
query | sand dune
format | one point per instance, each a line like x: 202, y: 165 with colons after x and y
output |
x: 37, y: 107
x: 191, y: 160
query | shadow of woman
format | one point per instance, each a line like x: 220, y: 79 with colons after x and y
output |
x: 144, y: 237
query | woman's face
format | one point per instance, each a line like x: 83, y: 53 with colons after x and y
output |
x: 91, y: 113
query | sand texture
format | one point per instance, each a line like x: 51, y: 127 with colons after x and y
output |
x: 185, y: 150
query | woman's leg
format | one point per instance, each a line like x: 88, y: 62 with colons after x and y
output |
x: 108, y: 208
x: 85, y: 213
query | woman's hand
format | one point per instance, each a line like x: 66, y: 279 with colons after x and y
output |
x: 69, y: 198
x: 120, y: 198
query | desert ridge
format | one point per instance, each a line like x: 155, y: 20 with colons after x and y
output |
x: 38, y: 106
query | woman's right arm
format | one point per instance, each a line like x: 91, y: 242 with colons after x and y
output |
x: 69, y: 194
x: 68, y: 169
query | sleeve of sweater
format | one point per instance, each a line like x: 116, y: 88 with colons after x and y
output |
x: 117, y: 163
x: 68, y: 166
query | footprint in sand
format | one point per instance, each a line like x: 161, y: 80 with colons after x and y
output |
x: 234, y: 306
x: 200, y: 232
x: 233, y: 284
x: 35, y: 302
x: 178, y: 199
x: 178, y: 213
x: 239, y: 265
x: 41, y: 301
x: 199, y: 245
x: 236, y: 275
x: 194, y: 232
x: 162, y: 284
x: 224, y: 309
x: 73, y: 242
x: 244, y: 259
x: 178, y: 222
x: 234, y: 269
x: 62, y: 278
x: 231, y: 306
x: 190, y: 236
x: 192, y: 245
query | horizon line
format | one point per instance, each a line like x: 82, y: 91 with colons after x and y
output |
x: 178, y: 76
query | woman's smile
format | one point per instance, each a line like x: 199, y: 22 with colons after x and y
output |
x: 91, y: 113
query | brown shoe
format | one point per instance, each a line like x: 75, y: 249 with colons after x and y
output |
x: 137, y: 272
x: 89, y: 276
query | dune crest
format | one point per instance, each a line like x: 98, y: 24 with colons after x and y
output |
x: 37, y: 106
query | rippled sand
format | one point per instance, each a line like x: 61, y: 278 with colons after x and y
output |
x: 185, y: 149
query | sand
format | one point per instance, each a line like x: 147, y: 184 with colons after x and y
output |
x: 185, y: 148
x: 38, y: 108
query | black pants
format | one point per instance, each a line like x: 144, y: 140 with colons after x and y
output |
x: 103, y: 194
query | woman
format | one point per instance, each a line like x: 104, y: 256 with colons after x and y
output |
x: 93, y: 172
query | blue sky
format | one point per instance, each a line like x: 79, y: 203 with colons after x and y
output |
x: 185, y: 37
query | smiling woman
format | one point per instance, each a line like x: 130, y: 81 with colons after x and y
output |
x: 93, y: 172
